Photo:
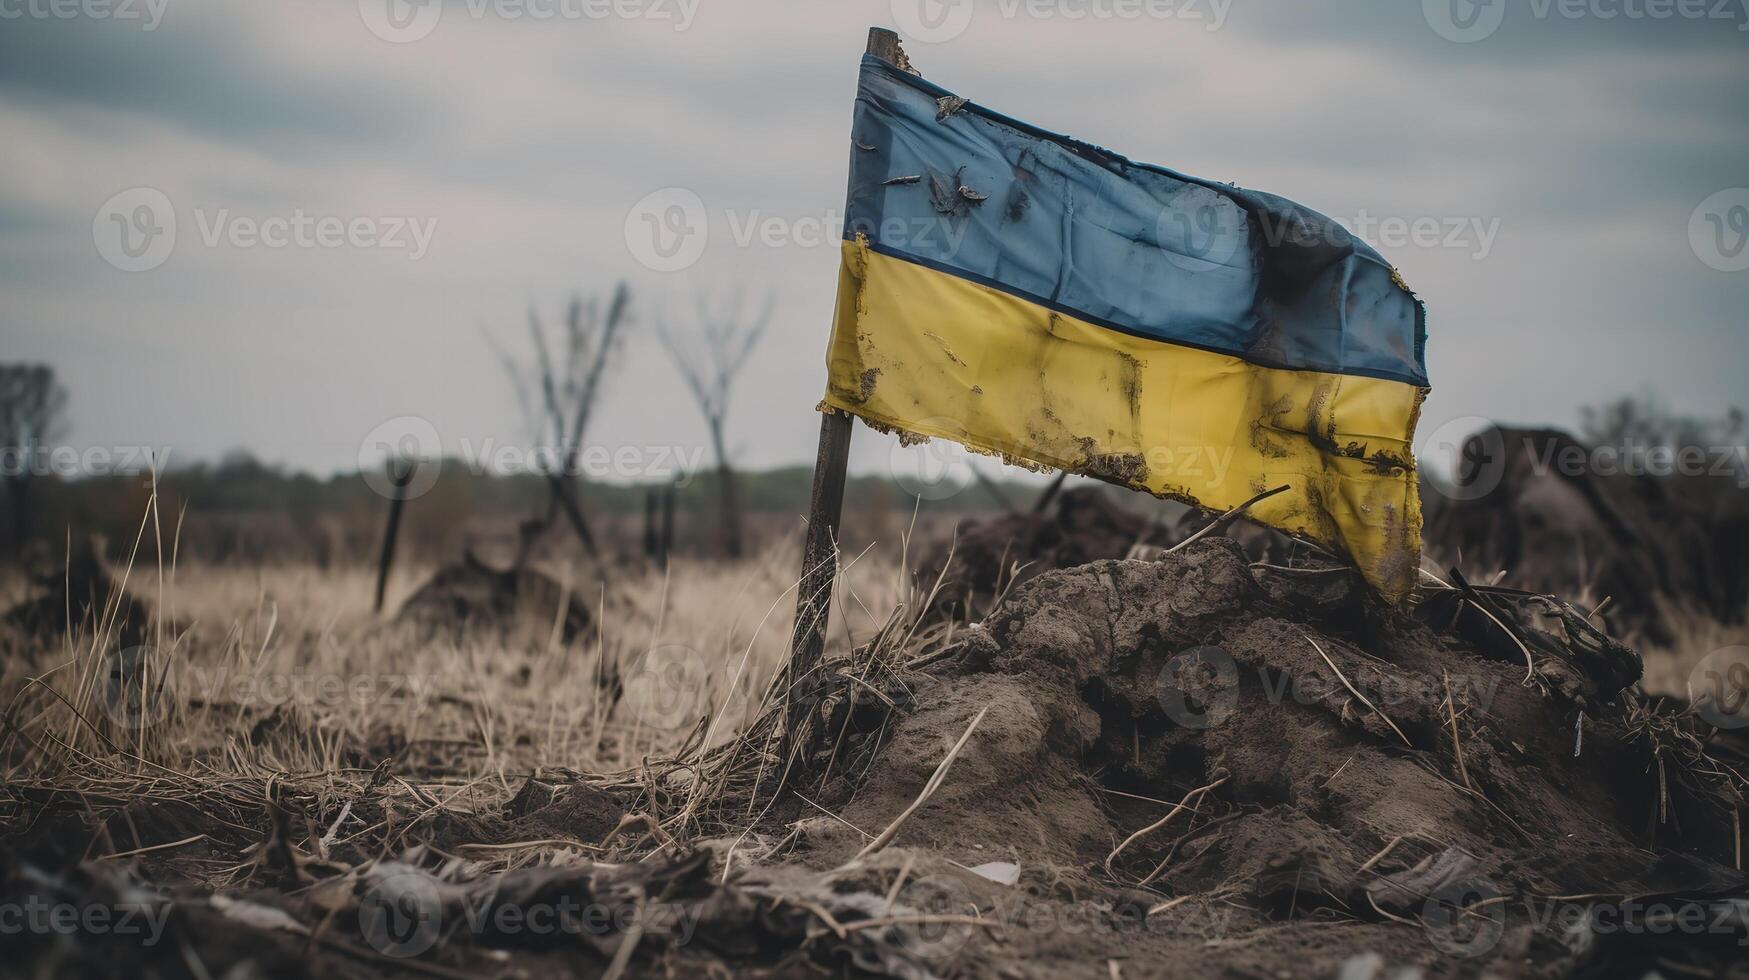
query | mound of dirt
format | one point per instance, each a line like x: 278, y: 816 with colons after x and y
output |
x: 1561, y: 517
x: 473, y: 599
x: 1082, y: 525
x: 1293, y: 785
x: 77, y: 597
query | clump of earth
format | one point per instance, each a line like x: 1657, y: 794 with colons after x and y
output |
x: 472, y: 598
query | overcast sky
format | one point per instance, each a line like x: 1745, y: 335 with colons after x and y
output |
x: 501, y: 154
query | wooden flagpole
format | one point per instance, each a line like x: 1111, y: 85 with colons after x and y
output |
x: 819, y: 567
x: 825, y: 508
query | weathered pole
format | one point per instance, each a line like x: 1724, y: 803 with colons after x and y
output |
x: 825, y: 509
x: 665, y: 543
x: 819, y: 564
x: 1050, y: 494
x: 399, y: 480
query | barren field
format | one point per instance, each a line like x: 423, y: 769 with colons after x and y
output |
x: 1197, y: 761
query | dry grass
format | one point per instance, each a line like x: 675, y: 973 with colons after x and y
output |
x: 284, y: 673
x: 1670, y: 667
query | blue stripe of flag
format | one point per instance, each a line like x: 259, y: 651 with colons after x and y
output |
x: 1133, y: 247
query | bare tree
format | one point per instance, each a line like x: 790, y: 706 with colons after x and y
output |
x: 709, y: 354
x: 32, y: 410
x: 558, y: 394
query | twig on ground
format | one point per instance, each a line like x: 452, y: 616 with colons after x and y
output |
x: 929, y: 788
x: 1457, y: 743
x: 1181, y: 806
x: 1355, y: 691
x: 1383, y: 852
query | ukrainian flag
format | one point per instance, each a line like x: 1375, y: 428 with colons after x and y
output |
x: 1047, y: 301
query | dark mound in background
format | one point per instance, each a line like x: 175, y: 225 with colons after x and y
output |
x: 473, y: 599
x: 1081, y: 525
x: 77, y: 596
x: 1559, y: 517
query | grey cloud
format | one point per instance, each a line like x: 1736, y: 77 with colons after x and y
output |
x: 203, y: 73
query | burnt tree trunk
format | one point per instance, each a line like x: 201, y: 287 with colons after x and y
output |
x: 728, y: 496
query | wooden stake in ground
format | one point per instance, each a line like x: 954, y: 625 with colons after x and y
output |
x: 825, y: 508
x: 401, y: 472
x: 819, y: 565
